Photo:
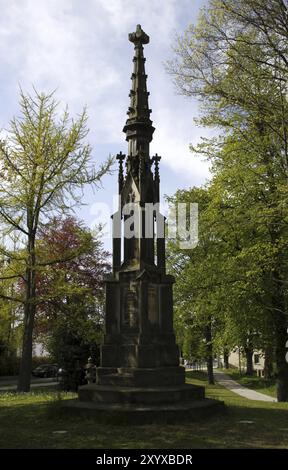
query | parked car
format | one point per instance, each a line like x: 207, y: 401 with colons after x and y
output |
x: 45, y: 370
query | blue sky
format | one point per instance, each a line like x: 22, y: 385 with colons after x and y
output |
x: 81, y: 48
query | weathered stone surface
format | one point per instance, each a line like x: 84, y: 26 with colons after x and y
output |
x: 157, y: 376
x: 140, y: 379
x: 139, y: 299
x: 138, y: 414
x: 140, y: 395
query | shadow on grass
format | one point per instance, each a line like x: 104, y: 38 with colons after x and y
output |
x: 33, y: 421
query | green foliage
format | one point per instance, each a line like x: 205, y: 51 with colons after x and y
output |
x: 69, y: 319
x: 235, y: 61
x: 70, y: 346
x: 10, y: 334
x: 45, y: 163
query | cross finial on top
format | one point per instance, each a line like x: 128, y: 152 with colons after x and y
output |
x: 139, y: 37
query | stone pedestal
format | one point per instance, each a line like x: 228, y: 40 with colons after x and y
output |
x: 138, y: 414
x: 118, y: 400
x: 140, y: 379
x: 139, y: 327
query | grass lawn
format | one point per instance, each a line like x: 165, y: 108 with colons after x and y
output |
x: 30, y: 421
x: 268, y: 387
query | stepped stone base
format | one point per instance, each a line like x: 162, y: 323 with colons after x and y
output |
x: 141, y: 396
x: 118, y: 398
x: 124, y: 413
x: 141, y: 377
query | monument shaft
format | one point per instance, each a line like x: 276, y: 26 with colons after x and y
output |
x: 139, y: 378
x: 139, y: 305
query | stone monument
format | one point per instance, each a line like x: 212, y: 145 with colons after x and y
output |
x: 139, y: 378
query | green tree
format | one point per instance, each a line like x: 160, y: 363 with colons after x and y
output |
x: 217, y: 293
x: 45, y: 163
x: 69, y: 320
x: 235, y: 62
x: 197, y: 281
x: 10, y: 316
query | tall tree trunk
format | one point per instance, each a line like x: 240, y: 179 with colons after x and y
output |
x: 24, y: 378
x: 239, y: 360
x: 209, y: 353
x: 278, y: 303
x: 281, y: 337
x: 249, y: 359
x: 281, y: 363
x: 226, y: 358
x: 268, y: 362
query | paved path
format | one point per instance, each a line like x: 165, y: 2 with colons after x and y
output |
x: 235, y: 387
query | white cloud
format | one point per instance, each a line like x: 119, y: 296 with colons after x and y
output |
x: 81, y: 48
x: 172, y: 139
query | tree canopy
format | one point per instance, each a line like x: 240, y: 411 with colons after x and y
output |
x: 45, y: 162
x: 235, y: 62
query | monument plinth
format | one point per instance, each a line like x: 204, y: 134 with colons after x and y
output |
x: 139, y: 378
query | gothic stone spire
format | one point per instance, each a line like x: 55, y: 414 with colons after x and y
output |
x: 138, y: 186
x: 139, y: 379
x: 138, y: 127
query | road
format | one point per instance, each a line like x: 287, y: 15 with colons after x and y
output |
x: 10, y: 383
